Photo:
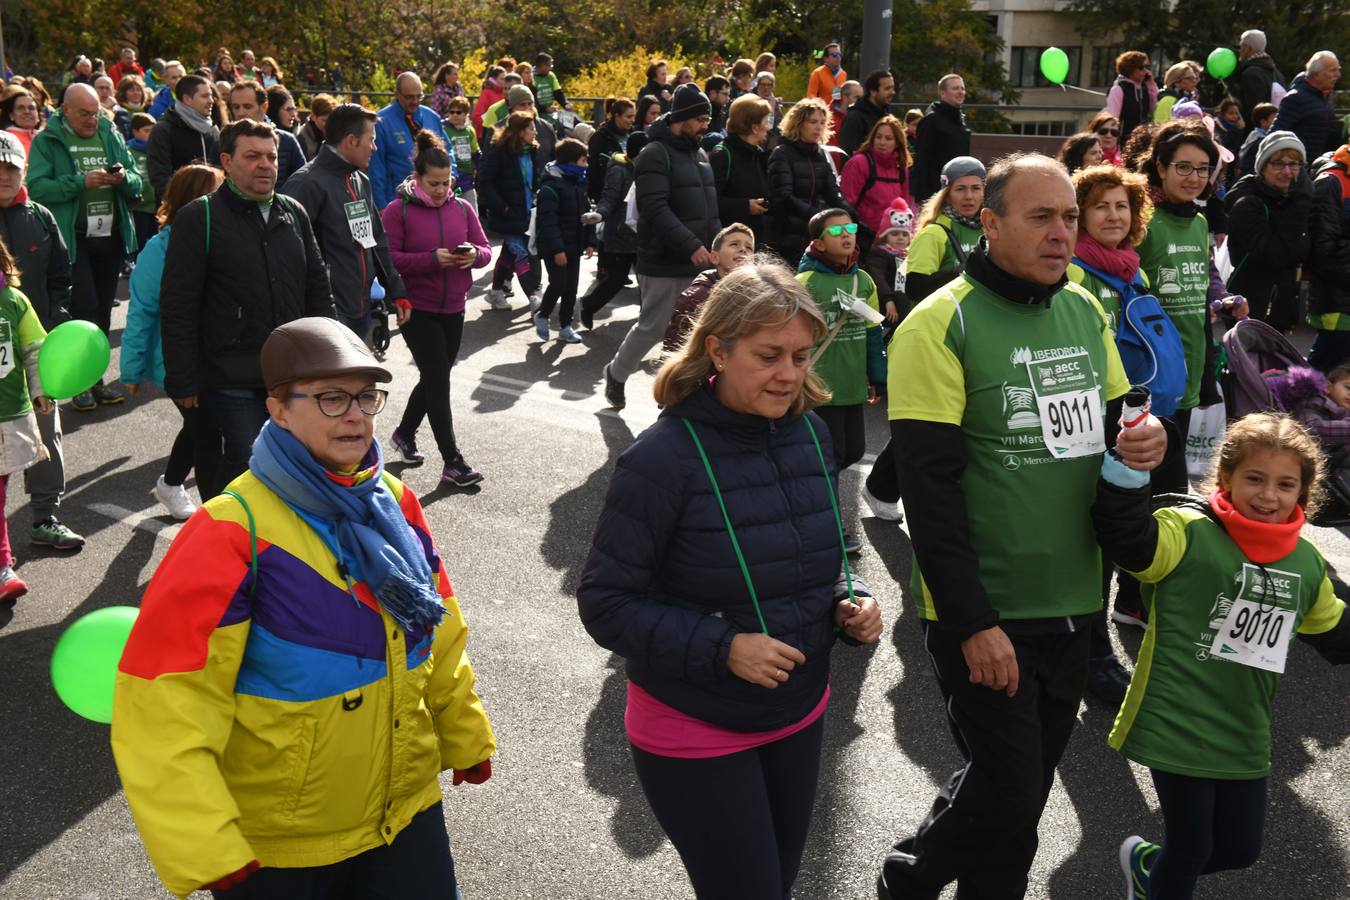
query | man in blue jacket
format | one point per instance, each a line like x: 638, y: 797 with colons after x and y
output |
x: 1308, y: 110
x: 395, y: 128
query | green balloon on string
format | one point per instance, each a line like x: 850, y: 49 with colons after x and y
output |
x: 84, y: 663
x: 1221, y: 62
x: 73, y: 359
x: 1054, y: 65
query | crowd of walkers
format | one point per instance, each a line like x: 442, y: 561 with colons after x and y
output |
x: 800, y: 262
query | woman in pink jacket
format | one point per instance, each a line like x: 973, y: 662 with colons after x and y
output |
x: 434, y: 239
x: 876, y: 175
x: 493, y: 90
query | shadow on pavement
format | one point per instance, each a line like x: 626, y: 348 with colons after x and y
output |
x: 60, y: 766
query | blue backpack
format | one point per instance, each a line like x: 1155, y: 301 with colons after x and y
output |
x: 1149, y: 344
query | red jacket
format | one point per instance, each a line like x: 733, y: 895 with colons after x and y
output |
x: 119, y: 69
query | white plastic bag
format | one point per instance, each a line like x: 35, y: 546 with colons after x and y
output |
x: 1209, y: 424
x: 1223, y: 262
x: 630, y: 214
x: 531, y: 231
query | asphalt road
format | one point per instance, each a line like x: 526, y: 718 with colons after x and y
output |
x: 563, y: 816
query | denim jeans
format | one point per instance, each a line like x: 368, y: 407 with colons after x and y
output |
x: 239, y: 414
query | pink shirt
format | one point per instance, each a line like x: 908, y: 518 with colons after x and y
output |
x: 665, y: 731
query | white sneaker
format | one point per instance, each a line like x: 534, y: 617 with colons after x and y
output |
x: 496, y: 299
x: 567, y: 334
x: 880, y: 508
x: 535, y: 300
x: 175, y: 498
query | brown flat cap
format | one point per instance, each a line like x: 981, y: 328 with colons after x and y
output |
x: 313, y: 348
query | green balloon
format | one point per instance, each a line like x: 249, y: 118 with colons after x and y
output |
x: 1222, y: 62
x: 1054, y: 65
x: 84, y: 663
x: 73, y: 359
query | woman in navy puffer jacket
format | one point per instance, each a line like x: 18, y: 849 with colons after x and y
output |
x: 727, y: 689
x: 425, y: 224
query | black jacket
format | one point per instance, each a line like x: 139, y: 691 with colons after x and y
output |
x: 1311, y: 115
x: 676, y: 201
x: 327, y: 186
x: 883, y: 266
x: 173, y: 144
x: 1268, y: 242
x: 858, y: 123
x: 232, y: 280
x: 1329, y: 256
x: 662, y: 587
x: 502, y: 191
x: 940, y: 137
x: 290, y: 157
x: 741, y: 173
x: 562, y: 200
x: 801, y: 184
x: 1255, y: 77
x: 613, y: 205
x: 30, y: 232
x: 662, y: 92
x: 311, y: 139
x: 606, y: 141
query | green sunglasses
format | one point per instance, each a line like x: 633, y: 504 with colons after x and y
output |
x: 836, y: 230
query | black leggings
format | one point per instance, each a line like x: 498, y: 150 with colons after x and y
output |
x: 98, y: 265
x: 193, y: 449
x: 434, y: 341
x: 562, y: 286
x: 1212, y: 825
x: 738, y: 821
x: 615, y: 267
x: 848, y: 431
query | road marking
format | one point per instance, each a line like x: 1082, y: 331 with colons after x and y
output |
x: 138, y: 520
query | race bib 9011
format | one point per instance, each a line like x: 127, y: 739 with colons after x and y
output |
x: 1069, y: 404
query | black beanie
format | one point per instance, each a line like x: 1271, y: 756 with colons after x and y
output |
x: 636, y: 141
x: 689, y: 103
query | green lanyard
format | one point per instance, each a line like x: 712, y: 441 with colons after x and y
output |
x: 731, y: 532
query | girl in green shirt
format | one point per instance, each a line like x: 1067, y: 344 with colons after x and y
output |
x: 1231, y: 581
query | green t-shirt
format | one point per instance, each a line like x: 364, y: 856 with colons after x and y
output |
x: 97, y: 212
x: 1189, y: 711
x: 545, y: 86
x: 463, y: 144
x: 21, y: 334
x: 1107, y: 296
x: 147, y: 203
x: 1174, y: 256
x: 965, y: 357
x: 495, y: 113
x: 843, y: 365
x: 931, y: 250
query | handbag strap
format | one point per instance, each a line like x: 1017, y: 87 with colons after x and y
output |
x: 731, y: 532
x: 253, y: 541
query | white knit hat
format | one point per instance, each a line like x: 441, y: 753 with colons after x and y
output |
x: 1275, y: 142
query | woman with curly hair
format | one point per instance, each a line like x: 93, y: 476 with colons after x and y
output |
x: 1080, y: 151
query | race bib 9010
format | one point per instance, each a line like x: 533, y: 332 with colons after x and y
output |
x: 1261, y: 621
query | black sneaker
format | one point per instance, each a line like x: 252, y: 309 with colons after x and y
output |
x: 459, y: 473
x: 407, y: 448
x: 1107, y: 679
x: 107, y: 396
x: 587, y: 315
x: 614, y: 391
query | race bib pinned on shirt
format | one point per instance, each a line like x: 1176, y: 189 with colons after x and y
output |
x: 6, y: 349
x: 358, y: 220
x: 99, y: 219
x: 1260, y: 623
x: 1069, y: 404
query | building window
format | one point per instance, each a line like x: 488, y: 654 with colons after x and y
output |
x: 1024, y: 69
x: 1045, y: 129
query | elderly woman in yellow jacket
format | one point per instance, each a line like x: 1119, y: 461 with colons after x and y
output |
x: 297, y: 677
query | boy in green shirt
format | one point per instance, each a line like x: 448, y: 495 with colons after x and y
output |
x: 464, y: 146
x: 143, y: 212
x: 853, y: 365
x: 547, y: 89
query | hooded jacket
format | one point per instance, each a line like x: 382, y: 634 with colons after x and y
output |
x: 333, y: 190
x: 561, y: 203
x: 283, y: 717
x: 941, y: 136
x: 30, y: 232
x: 503, y: 195
x: 801, y: 184
x: 607, y: 141
x: 1301, y: 391
x: 676, y: 202
x: 741, y: 173
x: 234, y: 278
x: 1329, y: 259
x: 888, y: 181
x: 1311, y: 114
x: 613, y: 205
x: 1268, y: 242
x: 173, y: 144
x: 662, y: 587
x: 53, y: 181
x: 415, y: 230
x: 688, y: 303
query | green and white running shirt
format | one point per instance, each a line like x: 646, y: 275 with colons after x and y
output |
x: 1174, y: 256
x: 1009, y: 374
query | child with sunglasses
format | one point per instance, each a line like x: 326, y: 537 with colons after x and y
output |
x: 853, y: 366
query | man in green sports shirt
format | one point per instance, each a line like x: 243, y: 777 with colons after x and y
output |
x: 1005, y: 390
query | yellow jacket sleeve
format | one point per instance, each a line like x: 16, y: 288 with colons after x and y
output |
x: 462, y: 726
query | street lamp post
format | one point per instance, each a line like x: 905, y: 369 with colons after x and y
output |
x: 876, y: 43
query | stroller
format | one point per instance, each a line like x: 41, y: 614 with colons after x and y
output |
x: 1254, y: 348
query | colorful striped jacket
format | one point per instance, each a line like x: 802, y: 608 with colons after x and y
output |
x: 280, y: 718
